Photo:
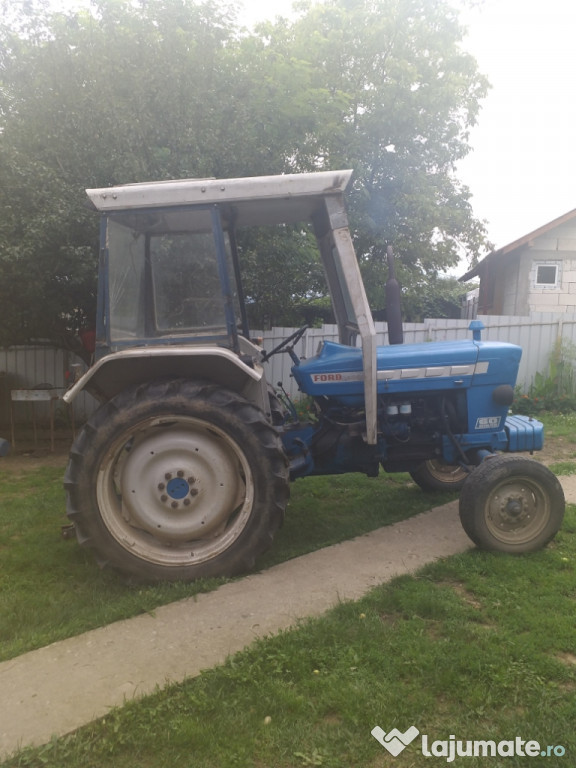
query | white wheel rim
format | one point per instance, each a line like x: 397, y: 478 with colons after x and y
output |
x: 517, y: 510
x: 446, y: 473
x: 175, y: 490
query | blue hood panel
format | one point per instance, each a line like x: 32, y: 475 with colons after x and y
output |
x: 402, y: 368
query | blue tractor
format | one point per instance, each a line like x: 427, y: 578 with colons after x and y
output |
x: 184, y: 470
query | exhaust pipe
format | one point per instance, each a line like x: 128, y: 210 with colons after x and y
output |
x: 393, y: 308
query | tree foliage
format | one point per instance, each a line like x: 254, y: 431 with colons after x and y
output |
x: 434, y: 297
x: 123, y: 91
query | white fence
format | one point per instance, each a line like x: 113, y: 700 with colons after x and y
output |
x: 29, y: 367
x: 26, y: 367
x: 536, y: 334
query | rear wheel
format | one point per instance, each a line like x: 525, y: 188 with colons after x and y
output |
x: 436, y: 475
x: 511, y: 504
x: 177, y: 480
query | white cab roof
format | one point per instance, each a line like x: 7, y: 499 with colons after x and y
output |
x: 255, y: 199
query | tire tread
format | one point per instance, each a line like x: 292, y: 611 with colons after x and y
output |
x: 111, y: 417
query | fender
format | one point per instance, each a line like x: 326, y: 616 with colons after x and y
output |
x: 120, y: 370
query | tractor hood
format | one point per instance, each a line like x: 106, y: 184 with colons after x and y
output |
x: 402, y: 368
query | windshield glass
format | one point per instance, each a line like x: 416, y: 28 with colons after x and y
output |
x: 165, y: 277
x: 126, y: 258
x: 186, y: 283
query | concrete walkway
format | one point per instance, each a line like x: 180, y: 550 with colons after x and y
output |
x: 56, y: 689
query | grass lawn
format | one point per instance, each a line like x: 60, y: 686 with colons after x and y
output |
x: 50, y: 588
x: 560, y: 425
x: 478, y: 647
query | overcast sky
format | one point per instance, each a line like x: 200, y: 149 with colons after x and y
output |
x: 522, y: 169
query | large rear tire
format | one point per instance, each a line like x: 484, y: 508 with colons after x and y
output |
x: 177, y: 480
x: 511, y: 504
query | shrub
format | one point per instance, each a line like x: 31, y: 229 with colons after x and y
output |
x: 554, y: 390
x: 530, y: 405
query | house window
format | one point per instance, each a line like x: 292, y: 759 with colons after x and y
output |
x: 546, y: 274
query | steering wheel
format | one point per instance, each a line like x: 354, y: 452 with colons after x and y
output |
x: 289, y: 341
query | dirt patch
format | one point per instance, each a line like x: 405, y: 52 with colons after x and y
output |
x: 27, y: 461
x: 333, y: 719
x: 463, y: 593
x: 33, y: 454
x: 556, y: 449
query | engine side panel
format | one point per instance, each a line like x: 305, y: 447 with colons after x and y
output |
x: 406, y: 370
x: 438, y: 399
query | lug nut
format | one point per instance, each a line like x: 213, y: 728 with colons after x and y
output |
x: 174, y: 504
x: 168, y: 476
x: 191, y: 480
x: 163, y: 497
x: 161, y: 486
x: 186, y: 502
x: 180, y: 473
x: 194, y: 492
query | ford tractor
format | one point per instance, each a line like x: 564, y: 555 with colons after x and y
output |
x: 184, y: 469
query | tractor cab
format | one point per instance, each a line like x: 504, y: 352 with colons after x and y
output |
x: 170, y: 276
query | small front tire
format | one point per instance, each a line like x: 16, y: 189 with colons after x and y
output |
x: 511, y: 504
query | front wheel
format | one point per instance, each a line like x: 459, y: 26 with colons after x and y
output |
x: 436, y: 475
x: 511, y: 504
x: 177, y: 480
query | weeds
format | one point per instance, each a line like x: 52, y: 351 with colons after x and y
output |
x: 554, y: 390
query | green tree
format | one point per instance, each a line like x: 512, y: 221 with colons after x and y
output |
x: 125, y: 91
x: 114, y: 94
x: 396, y: 96
x: 434, y: 297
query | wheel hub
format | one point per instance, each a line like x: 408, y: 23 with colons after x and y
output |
x: 516, y: 508
x: 177, y: 492
x: 513, y: 508
x: 180, y: 485
x: 178, y: 488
